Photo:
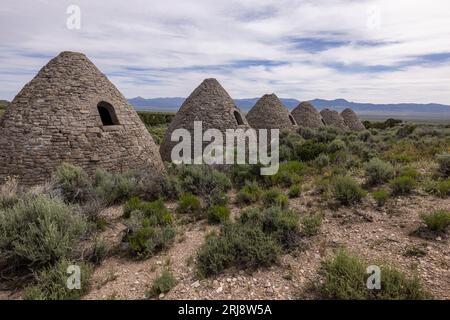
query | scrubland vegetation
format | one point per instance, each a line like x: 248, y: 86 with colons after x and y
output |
x: 251, y: 222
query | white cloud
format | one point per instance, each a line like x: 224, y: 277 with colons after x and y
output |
x: 174, y: 42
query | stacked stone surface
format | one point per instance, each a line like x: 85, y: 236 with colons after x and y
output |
x: 307, y: 116
x: 352, y: 121
x: 270, y: 113
x: 333, y: 118
x: 210, y: 104
x: 56, y: 118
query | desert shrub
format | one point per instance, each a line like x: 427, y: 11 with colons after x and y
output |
x: 335, y: 146
x: 443, y: 161
x: 162, y: 284
x: 156, y: 118
x: 242, y: 246
x: 37, y: 232
x: 380, y: 196
x: 146, y: 237
x: 249, y: 194
x: 98, y: 252
x: 131, y: 205
x: 114, y: 188
x: 282, y: 225
x: 294, y: 191
x: 51, y: 282
x: 73, y: 183
x: 202, y: 180
x: 155, y: 210
x: 405, y: 130
x: 149, y: 227
x: 345, y: 278
x: 347, y: 191
x: 157, y: 133
x: 437, y: 221
x: 9, y: 193
x: 218, y: 199
x: 322, y: 161
x: 288, y: 173
x: 326, y: 134
x: 151, y: 185
x: 274, y: 197
x: 242, y: 173
x: 438, y: 188
x: 188, y: 203
x: 323, y: 186
x: 218, y: 214
x: 409, y: 172
x: 307, y: 133
x: 378, y: 171
x: 311, y: 224
x: 310, y: 150
x: 402, y: 185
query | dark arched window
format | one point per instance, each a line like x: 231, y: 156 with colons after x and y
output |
x: 238, y: 118
x: 292, y: 120
x: 107, y: 114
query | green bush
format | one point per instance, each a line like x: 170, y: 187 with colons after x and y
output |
x: 134, y: 204
x: 155, y: 210
x: 381, y: 196
x: 242, y: 173
x: 322, y: 161
x: 378, y: 171
x: 294, y: 191
x: 51, y: 283
x: 438, y: 188
x: 310, y: 150
x: 282, y: 225
x: 115, y: 188
x: 402, y: 185
x: 249, y: 194
x: 437, y: 221
x: 151, y: 118
x: 98, y: 252
x: 9, y: 193
x: 274, y: 197
x: 335, y: 146
x: 289, y: 173
x: 218, y: 214
x: 73, y: 183
x: 147, y: 238
x: 347, y: 191
x: 188, y: 203
x: 311, y: 224
x: 409, y: 172
x: 345, y: 278
x: 149, y: 227
x: 39, y: 231
x: 443, y: 161
x: 151, y: 185
x: 202, y: 180
x: 242, y: 246
x: 162, y: 284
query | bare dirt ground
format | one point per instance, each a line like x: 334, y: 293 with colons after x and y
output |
x: 380, y: 236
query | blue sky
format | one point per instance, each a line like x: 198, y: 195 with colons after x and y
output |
x: 379, y: 51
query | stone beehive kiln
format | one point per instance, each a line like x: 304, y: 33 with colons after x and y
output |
x: 70, y: 112
x: 352, y: 121
x: 270, y: 113
x: 212, y: 105
x: 333, y: 118
x: 307, y: 116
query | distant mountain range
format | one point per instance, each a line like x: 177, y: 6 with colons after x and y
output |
x: 400, y: 110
